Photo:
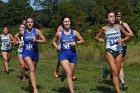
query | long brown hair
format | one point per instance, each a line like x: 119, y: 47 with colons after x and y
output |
x: 6, y: 26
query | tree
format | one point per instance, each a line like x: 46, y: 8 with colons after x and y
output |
x: 136, y: 18
x: 15, y: 11
x: 103, y: 6
x: 48, y: 10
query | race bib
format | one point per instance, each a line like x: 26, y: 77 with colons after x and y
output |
x: 66, y: 45
x: 28, y: 47
x: 112, y: 41
x: 4, y: 45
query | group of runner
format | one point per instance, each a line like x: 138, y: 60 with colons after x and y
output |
x: 64, y: 41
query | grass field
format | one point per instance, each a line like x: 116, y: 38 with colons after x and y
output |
x: 88, y: 74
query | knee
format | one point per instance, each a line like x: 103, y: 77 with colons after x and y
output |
x: 5, y: 60
x: 32, y: 70
x: 69, y: 74
x: 115, y: 73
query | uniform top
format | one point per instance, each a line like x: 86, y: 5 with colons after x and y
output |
x: 112, y: 35
x: 65, y: 41
x: 4, y: 39
x: 122, y: 24
x: 29, y: 44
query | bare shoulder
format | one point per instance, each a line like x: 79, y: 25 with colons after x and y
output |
x: 59, y: 29
x: 75, y: 32
x: 9, y: 34
x: 103, y: 29
x: 58, y: 33
x: 38, y: 31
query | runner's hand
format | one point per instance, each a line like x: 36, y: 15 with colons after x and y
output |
x: 33, y: 38
x: 58, y: 47
x: 7, y: 43
x: 119, y: 41
x: 101, y: 40
x: 72, y: 43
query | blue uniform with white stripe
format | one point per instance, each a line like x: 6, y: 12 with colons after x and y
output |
x: 68, y: 52
x: 30, y: 48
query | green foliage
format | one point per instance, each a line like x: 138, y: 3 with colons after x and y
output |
x: 87, y: 15
x: 78, y: 16
x: 136, y: 19
x: 14, y: 12
x: 105, y: 6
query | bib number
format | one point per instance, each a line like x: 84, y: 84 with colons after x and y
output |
x: 29, y: 47
x: 4, y: 45
x: 113, y: 41
x: 66, y: 46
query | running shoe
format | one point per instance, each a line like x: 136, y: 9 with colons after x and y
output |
x: 124, y: 86
x: 63, y: 76
x: 105, y: 72
x: 7, y: 72
x: 23, y: 78
x: 74, y: 78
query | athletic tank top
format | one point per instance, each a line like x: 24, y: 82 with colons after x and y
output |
x: 122, y: 24
x: 20, y: 45
x: 65, y: 41
x: 4, y: 39
x: 112, y: 35
x: 29, y: 44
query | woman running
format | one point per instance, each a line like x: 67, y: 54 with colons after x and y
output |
x: 19, y: 41
x: 113, y: 46
x: 30, y: 52
x: 6, y: 47
x: 124, y: 46
x: 68, y: 56
x: 56, y: 73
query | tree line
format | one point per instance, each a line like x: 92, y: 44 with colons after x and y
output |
x: 87, y: 15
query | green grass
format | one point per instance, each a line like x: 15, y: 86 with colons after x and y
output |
x: 88, y: 73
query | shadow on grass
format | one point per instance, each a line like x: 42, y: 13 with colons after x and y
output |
x: 20, y: 77
x: 10, y: 70
x: 108, y: 82
x: 28, y: 90
x: 103, y: 89
x: 62, y: 90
